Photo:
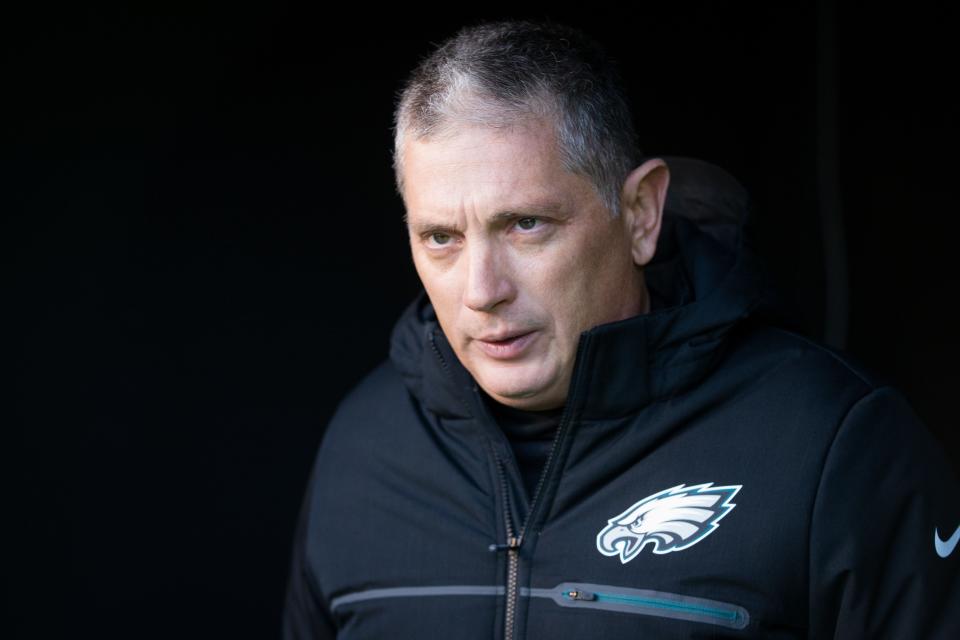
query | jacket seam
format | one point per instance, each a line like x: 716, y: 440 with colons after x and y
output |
x: 301, y: 551
x: 822, y: 349
x: 306, y: 567
x: 446, y: 368
x: 314, y: 586
x: 823, y: 466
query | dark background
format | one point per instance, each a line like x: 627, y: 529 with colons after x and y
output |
x: 205, y: 251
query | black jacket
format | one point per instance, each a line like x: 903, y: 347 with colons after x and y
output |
x: 713, y: 476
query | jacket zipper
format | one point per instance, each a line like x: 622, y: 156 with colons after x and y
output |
x: 654, y: 603
x: 646, y: 602
x: 513, y: 552
x: 514, y: 542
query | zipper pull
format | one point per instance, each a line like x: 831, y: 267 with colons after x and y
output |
x: 580, y: 595
x: 512, y: 543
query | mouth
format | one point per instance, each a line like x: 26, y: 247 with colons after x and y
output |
x: 506, y: 346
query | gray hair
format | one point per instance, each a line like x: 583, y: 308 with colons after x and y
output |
x: 498, y: 74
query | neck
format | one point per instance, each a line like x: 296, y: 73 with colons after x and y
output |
x: 640, y: 304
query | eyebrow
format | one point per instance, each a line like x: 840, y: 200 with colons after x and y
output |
x: 531, y: 209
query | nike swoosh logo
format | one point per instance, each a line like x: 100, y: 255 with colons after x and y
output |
x: 946, y: 547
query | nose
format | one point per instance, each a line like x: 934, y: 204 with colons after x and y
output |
x: 488, y: 281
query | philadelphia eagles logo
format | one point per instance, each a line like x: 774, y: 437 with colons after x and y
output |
x: 671, y: 520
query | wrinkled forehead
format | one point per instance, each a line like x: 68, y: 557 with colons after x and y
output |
x: 483, y: 169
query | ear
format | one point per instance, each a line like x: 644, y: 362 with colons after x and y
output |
x: 642, y: 200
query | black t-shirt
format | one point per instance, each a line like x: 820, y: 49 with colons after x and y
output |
x: 531, y: 435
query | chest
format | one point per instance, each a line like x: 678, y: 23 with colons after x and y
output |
x: 679, y: 538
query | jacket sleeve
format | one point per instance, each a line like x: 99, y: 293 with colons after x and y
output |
x: 885, y: 492
x: 305, y: 614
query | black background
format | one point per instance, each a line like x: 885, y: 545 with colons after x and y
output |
x: 205, y: 251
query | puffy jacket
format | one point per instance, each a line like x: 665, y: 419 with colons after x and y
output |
x: 713, y: 476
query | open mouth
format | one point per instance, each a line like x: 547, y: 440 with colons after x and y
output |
x: 510, y: 340
x: 508, y: 348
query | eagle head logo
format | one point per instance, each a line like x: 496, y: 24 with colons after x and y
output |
x: 670, y: 520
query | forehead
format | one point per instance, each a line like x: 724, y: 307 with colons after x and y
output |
x: 480, y: 170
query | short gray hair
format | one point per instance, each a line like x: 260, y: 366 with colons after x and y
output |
x: 497, y: 74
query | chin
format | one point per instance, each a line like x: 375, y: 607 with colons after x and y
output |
x: 536, y: 402
x: 516, y: 390
x: 515, y: 394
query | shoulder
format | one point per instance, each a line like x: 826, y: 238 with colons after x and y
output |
x: 366, y: 428
x: 371, y: 403
x: 868, y: 416
x: 806, y: 364
x: 814, y: 353
x: 808, y: 390
x: 381, y: 385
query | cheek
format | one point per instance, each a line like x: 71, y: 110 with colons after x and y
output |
x: 443, y: 287
x: 576, y: 282
x: 561, y: 285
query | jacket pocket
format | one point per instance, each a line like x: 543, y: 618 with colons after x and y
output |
x: 585, y: 595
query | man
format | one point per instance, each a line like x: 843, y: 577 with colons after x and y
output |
x: 587, y: 426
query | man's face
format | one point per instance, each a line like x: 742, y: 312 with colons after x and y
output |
x: 517, y: 255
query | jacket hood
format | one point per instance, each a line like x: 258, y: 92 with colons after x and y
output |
x: 704, y: 280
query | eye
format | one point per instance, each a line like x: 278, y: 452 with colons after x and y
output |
x: 527, y: 223
x: 441, y: 239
